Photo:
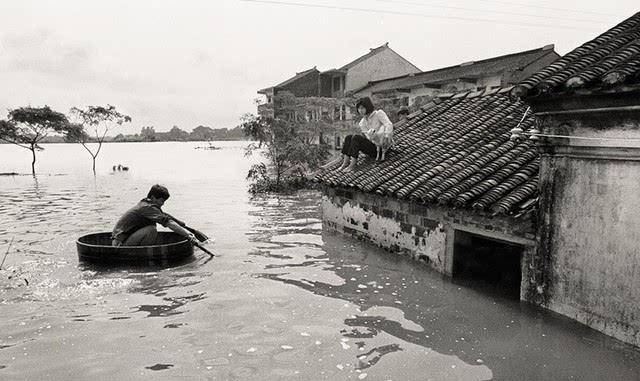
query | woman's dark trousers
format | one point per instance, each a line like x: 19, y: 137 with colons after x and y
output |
x: 353, y: 144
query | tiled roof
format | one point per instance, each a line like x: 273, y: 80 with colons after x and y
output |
x: 296, y: 77
x: 372, y: 52
x: 455, y: 152
x: 507, y: 63
x: 611, y: 59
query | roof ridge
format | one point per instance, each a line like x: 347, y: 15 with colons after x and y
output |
x: 475, y: 93
x: 370, y: 53
x: 580, y: 61
x: 547, y: 48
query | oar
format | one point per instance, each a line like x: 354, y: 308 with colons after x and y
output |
x: 7, y: 253
x: 199, y: 235
x: 199, y: 246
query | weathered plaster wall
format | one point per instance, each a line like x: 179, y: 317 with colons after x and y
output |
x: 595, y: 262
x: 589, y: 256
x: 425, y: 233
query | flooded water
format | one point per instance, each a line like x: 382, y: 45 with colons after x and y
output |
x: 282, y: 300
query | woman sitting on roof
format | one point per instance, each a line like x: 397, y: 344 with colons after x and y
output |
x: 376, y: 137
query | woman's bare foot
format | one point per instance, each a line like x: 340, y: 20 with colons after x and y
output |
x: 352, y: 165
x: 345, y: 163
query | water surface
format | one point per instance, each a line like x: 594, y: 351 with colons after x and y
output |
x: 282, y: 299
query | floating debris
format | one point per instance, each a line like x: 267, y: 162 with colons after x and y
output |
x: 159, y: 366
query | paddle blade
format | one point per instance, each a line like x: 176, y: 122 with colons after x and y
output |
x: 199, y: 246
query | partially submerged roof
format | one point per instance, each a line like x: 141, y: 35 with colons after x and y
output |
x: 296, y: 77
x: 610, y: 60
x: 469, y: 70
x: 456, y: 152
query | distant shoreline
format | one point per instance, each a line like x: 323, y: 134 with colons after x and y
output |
x: 141, y: 141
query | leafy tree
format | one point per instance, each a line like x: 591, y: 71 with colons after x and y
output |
x: 92, y: 125
x: 176, y: 134
x: 202, y: 133
x: 255, y: 127
x: 28, y: 126
x: 148, y: 134
x: 288, y: 150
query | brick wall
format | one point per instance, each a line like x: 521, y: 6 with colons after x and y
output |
x: 425, y: 233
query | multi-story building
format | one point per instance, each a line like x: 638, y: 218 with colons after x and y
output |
x: 415, y: 89
x: 317, y: 89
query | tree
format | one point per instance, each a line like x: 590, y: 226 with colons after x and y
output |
x: 288, y: 150
x: 176, y: 134
x: 202, y: 133
x: 255, y: 127
x: 27, y: 126
x: 92, y: 125
x: 148, y: 134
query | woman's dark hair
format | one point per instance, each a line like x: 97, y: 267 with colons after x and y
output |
x: 158, y: 191
x: 366, y: 103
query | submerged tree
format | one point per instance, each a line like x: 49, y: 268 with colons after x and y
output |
x: 92, y: 125
x: 255, y: 127
x: 288, y: 150
x: 28, y: 126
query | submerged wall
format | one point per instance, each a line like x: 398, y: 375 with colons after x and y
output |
x: 590, y: 236
x: 424, y: 233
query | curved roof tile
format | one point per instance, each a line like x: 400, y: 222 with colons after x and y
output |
x: 455, y: 152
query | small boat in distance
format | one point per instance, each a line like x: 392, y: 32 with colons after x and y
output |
x: 210, y: 146
x: 96, y: 248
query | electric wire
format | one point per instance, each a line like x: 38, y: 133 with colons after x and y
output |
x: 490, y: 11
x: 579, y: 137
x: 401, y: 13
x: 548, y: 8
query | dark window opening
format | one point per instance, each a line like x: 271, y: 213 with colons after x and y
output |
x: 336, y: 83
x: 487, y: 264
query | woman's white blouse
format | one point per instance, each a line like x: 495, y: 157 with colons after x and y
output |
x: 376, y: 123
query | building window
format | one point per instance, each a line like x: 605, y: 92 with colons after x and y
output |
x: 336, y: 83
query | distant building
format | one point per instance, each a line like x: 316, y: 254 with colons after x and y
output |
x: 588, y: 107
x: 303, y: 84
x: 489, y: 73
x: 381, y: 62
x: 378, y: 63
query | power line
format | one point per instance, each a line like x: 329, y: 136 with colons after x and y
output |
x: 490, y: 11
x: 548, y: 8
x: 367, y: 10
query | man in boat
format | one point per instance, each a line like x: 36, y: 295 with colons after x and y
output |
x: 137, y: 227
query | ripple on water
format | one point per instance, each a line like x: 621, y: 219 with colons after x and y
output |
x: 284, y: 299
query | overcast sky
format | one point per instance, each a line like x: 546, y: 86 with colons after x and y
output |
x: 200, y: 62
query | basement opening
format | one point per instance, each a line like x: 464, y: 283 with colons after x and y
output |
x: 487, y: 264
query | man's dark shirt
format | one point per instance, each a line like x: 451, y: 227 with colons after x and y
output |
x: 143, y: 214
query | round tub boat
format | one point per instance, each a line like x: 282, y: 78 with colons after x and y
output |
x: 96, y: 248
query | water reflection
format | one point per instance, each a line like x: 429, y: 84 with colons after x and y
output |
x: 283, y: 300
x: 415, y: 305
